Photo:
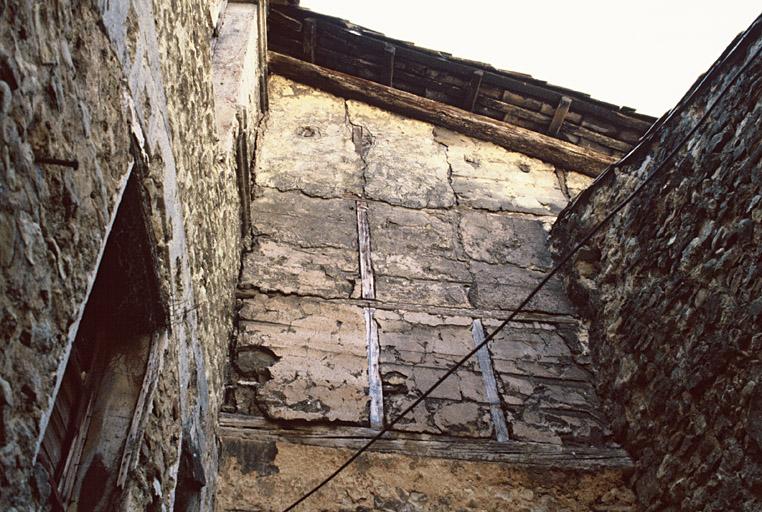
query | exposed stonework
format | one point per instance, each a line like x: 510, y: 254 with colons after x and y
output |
x: 396, y: 481
x: 672, y: 288
x: 90, y: 95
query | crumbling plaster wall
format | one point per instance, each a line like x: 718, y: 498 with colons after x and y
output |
x: 672, y: 286
x: 80, y: 81
x: 457, y: 233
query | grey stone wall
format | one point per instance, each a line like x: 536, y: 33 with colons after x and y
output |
x: 53, y: 218
x: 80, y: 81
x: 672, y: 289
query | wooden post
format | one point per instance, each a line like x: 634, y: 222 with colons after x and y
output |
x: 264, y: 100
x: 375, y: 386
x: 473, y: 90
x: 363, y: 239
x: 558, y: 118
x: 309, y: 39
x: 390, y: 52
x: 490, y: 384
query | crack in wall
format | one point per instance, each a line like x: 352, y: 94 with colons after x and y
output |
x: 446, y: 149
x: 561, y: 176
x: 363, y: 140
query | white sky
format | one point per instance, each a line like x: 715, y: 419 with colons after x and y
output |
x: 643, y: 54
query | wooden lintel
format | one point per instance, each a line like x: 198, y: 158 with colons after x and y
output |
x: 514, y: 138
x: 390, y: 52
x: 558, y: 117
x: 473, y: 90
x: 521, y: 454
x: 309, y: 39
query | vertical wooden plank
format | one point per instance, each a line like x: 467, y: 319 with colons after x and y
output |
x: 473, y: 90
x: 134, y: 439
x: 366, y: 264
x: 390, y: 51
x: 309, y: 39
x: 558, y: 117
x: 490, y: 385
x: 375, y: 389
x: 263, y: 9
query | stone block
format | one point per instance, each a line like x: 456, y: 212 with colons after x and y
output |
x: 486, y: 176
x: 318, y: 363
x: 323, y: 271
x: 414, y: 356
x: 501, y: 239
x: 306, y: 135
x: 506, y: 286
x: 295, y: 218
x: 404, y: 164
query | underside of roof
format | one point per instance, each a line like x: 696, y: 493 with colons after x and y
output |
x: 509, y: 97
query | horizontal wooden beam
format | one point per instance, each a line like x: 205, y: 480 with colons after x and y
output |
x: 513, y: 138
x: 522, y: 454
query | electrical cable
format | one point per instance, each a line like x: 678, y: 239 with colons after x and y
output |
x: 536, y: 289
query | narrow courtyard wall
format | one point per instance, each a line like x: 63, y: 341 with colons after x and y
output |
x: 94, y: 94
x: 672, y: 289
x: 383, y: 247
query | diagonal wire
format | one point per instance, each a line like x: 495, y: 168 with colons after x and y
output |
x: 536, y: 289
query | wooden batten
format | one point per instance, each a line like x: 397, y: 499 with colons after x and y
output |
x: 309, y: 39
x: 560, y: 115
x: 514, y: 138
x: 472, y: 92
x: 521, y: 454
x: 390, y: 51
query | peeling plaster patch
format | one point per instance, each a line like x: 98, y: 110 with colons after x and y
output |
x: 286, y: 159
x: 405, y: 166
x: 486, y: 176
x: 320, y: 368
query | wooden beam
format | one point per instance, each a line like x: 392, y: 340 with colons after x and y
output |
x: 262, y: 14
x: 558, y: 118
x: 490, y: 383
x: 131, y: 450
x: 309, y: 39
x: 390, y: 51
x: 514, y: 138
x: 363, y: 239
x: 472, y: 92
x: 375, y: 386
x: 522, y: 454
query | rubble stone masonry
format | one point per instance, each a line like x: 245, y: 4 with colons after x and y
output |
x: 672, y: 288
x: 112, y: 89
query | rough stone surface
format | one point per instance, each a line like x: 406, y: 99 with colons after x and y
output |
x: 486, y: 176
x: 79, y: 80
x: 672, y: 288
x: 53, y: 219
x: 393, y: 482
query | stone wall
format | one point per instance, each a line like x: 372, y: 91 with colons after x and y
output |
x: 120, y: 88
x: 672, y: 289
x: 54, y: 218
x: 382, y: 244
